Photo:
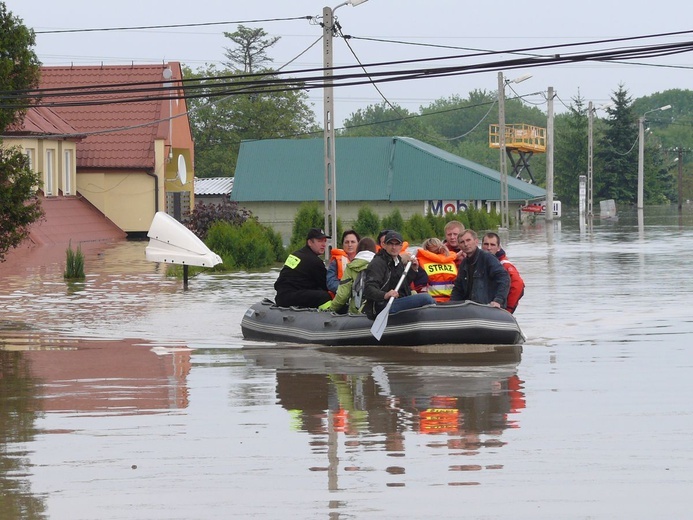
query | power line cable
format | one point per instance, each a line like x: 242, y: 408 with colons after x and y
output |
x: 172, y: 26
x: 351, y: 79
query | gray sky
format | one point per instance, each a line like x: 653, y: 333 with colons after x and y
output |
x: 479, y: 25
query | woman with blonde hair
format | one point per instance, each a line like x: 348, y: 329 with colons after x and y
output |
x: 439, y: 264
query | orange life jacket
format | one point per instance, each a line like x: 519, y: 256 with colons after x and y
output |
x: 441, y: 271
x: 339, y: 256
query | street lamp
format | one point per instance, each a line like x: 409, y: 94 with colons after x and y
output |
x: 328, y: 27
x: 501, y: 143
x: 590, y: 155
x: 641, y: 153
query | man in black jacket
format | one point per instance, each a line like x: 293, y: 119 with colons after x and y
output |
x: 382, y: 276
x: 302, y: 281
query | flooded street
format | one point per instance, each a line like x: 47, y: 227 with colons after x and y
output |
x: 127, y: 397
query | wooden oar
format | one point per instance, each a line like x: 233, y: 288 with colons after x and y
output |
x: 380, y: 322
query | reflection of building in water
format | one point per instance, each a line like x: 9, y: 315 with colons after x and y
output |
x: 123, y: 376
x: 348, y: 403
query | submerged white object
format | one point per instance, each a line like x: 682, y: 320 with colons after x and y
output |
x: 172, y: 243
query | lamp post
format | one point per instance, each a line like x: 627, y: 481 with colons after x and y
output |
x: 501, y: 144
x: 590, y: 155
x: 328, y: 27
x: 641, y: 153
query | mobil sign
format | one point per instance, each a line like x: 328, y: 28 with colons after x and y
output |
x: 440, y: 207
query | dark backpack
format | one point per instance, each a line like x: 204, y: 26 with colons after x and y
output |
x: 357, y: 289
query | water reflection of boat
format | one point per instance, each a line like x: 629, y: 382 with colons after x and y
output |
x: 454, y: 323
x: 380, y: 393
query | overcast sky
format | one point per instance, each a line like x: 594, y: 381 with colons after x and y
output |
x: 492, y: 26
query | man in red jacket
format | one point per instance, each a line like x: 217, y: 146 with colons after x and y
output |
x: 492, y: 244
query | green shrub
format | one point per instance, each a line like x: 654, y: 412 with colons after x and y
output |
x: 248, y: 246
x: 203, y: 216
x: 393, y: 221
x: 481, y: 221
x: 74, y: 267
x: 309, y: 215
x: 367, y: 223
x: 460, y: 216
x: 417, y: 229
x: 275, y: 240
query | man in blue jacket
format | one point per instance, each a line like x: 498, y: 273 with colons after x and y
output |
x: 481, y: 278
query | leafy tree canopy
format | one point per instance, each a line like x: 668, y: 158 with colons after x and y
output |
x: 19, y: 70
x: 19, y: 66
x: 250, y: 53
x: 220, y: 122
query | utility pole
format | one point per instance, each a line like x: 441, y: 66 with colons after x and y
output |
x: 549, y: 156
x: 590, y: 155
x: 641, y: 154
x: 328, y: 31
x: 680, y: 177
x: 328, y: 134
x: 505, y: 224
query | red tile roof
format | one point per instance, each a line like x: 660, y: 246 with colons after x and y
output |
x: 44, y: 121
x: 128, y: 149
x: 69, y: 220
x: 73, y: 219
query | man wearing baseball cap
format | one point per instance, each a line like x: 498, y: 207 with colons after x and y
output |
x: 382, y: 276
x: 302, y: 281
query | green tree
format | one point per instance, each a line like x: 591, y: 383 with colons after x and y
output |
x: 393, y: 221
x: 250, y: 52
x: 19, y: 67
x: 19, y: 70
x: 367, y: 223
x: 226, y: 111
x: 19, y: 203
x: 618, y: 152
x: 417, y: 229
x: 455, y: 124
x: 309, y: 215
x: 384, y: 120
x: 571, y: 162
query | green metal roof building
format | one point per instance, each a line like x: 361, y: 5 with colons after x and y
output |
x: 274, y: 176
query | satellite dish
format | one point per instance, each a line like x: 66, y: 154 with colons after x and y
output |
x: 182, y: 170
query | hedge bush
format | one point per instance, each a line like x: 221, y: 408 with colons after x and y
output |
x: 248, y: 246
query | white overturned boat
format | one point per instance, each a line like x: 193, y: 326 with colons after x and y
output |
x: 449, y: 323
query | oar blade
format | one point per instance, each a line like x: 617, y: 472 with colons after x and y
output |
x: 380, y: 322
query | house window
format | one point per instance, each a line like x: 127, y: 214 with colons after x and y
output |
x: 29, y: 152
x: 67, y: 186
x: 48, y: 185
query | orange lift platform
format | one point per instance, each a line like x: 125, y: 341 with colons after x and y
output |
x: 522, y: 141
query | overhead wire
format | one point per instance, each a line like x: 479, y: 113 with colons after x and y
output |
x: 396, y: 110
x: 279, y: 85
x: 170, y: 26
x: 272, y: 82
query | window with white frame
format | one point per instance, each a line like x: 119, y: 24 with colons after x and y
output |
x: 29, y: 152
x: 48, y: 187
x: 67, y: 183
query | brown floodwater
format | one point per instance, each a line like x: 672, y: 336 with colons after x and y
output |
x: 127, y: 397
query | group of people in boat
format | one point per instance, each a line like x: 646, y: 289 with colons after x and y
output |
x: 366, y: 273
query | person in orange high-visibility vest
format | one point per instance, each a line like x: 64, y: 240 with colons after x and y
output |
x: 492, y: 244
x: 339, y: 258
x: 439, y: 264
